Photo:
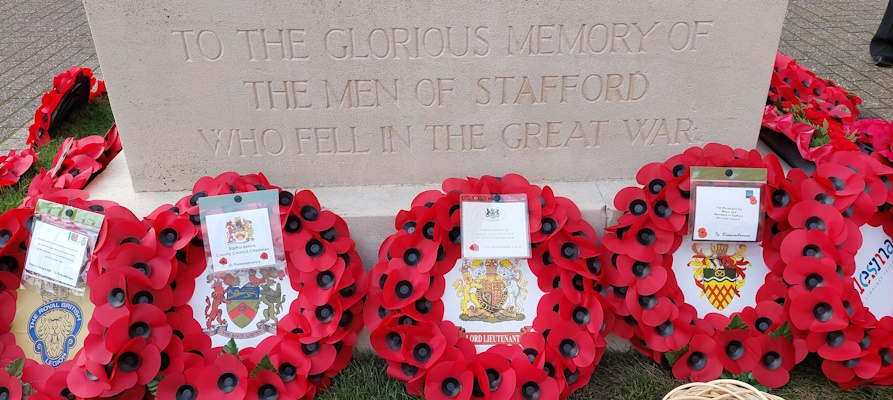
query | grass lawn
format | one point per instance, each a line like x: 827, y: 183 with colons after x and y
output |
x: 618, y: 376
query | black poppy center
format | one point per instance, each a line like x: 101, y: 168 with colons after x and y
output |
x: 423, y: 305
x: 886, y: 357
x: 815, y: 222
x: 735, y: 350
x: 5, y: 235
x: 309, y: 213
x: 421, y: 353
x: 648, y: 302
x: 394, y: 341
x: 412, y: 256
x: 781, y: 198
x: 186, y: 392
x: 228, y: 382
x: 455, y: 235
x: 646, y: 237
x: 825, y: 199
x: 325, y: 280
x: 837, y: 182
x: 656, y: 185
x: 679, y: 170
x: 594, y: 265
x: 823, y: 312
x: 116, y: 297
x: 143, y: 267
x: 293, y: 224
x: 140, y: 329
x: 697, y: 361
x: 403, y: 290
x: 568, y: 348
x: 665, y: 329
x: 548, y: 226
x: 286, y: 198
x: 310, y: 349
x: 9, y: 264
x: 325, y: 313
x: 168, y: 237
x: 314, y: 248
x: 193, y: 201
x: 330, y: 235
x: 530, y: 391
x: 641, y: 269
x: 812, y: 250
x: 662, y: 209
x: 814, y: 280
x: 128, y: 362
x: 494, y: 378
x: 772, y: 360
x: 581, y: 315
x: 763, y: 324
x: 267, y: 392
x: 570, y: 251
x: 451, y: 387
x: 638, y: 207
x: 143, y: 297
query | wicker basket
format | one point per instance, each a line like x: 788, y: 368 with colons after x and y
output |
x: 721, y: 389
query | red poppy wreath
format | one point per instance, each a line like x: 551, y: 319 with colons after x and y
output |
x: 144, y: 337
x: 71, y: 89
x: 420, y: 270
x: 22, y: 377
x: 809, y: 300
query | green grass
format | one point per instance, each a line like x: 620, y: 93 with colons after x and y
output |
x: 618, y: 376
x: 93, y: 119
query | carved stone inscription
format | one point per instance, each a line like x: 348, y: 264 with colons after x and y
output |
x: 362, y: 92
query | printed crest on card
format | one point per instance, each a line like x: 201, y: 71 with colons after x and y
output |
x: 243, y: 304
x: 491, y: 291
x: 719, y: 275
x: 53, y: 327
x: 239, y: 230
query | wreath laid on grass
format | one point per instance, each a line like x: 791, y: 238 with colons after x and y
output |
x: 71, y: 89
x: 807, y: 303
x: 405, y: 312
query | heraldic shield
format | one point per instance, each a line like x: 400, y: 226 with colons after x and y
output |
x: 719, y: 275
x: 243, y: 304
x: 491, y: 291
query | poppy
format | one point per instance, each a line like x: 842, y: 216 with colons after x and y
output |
x: 812, y: 273
x: 87, y: 378
x: 155, y: 270
x: 647, y: 277
x: 494, y: 377
x: 10, y: 385
x: 651, y: 309
x: 669, y: 335
x: 227, y: 378
x: 864, y: 367
x: 700, y: 362
x: 402, y: 286
x: 449, y: 380
x: 776, y: 361
x: 738, y: 350
x: 316, y: 254
x: 818, y: 310
x: 574, y: 253
x: 13, y: 165
x: 181, y: 386
x: 534, y: 383
x: 840, y: 345
x: 144, y: 320
x: 810, y: 243
x: 575, y: 346
x: 810, y: 214
x: 412, y: 251
x: 310, y: 212
x: 319, y: 286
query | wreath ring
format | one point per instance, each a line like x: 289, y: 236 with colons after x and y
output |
x: 143, y: 334
x: 405, y: 312
x: 807, y: 303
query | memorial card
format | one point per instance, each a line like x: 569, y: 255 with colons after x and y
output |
x: 241, y: 231
x: 495, y: 226
x: 727, y: 213
x: 62, y: 240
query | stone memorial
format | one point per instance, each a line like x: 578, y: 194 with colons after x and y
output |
x: 411, y: 92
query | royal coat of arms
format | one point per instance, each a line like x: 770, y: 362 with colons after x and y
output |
x: 491, y: 291
x: 719, y: 275
x: 239, y: 230
x: 242, y: 297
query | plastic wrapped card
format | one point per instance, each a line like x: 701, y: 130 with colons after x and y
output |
x: 62, y: 242
x: 494, y: 226
x: 242, y: 231
x: 727, y: 204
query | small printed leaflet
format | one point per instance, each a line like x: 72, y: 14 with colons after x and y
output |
x: 494, y: 226
x: 61, y: 242
x: 727, y: 203
x: 242, y: 231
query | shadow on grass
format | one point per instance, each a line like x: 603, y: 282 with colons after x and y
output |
x: 620, y: 376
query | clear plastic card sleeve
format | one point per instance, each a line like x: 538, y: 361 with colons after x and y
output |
x: 242, y: 231
x: 727, y: 204
x: 62, y: 243
x: 494, y: 226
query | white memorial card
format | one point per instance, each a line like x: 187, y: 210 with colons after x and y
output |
x: 495, y: 226
x: 240, y: 240
x: 723, y: 213
x: 56, y: 253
